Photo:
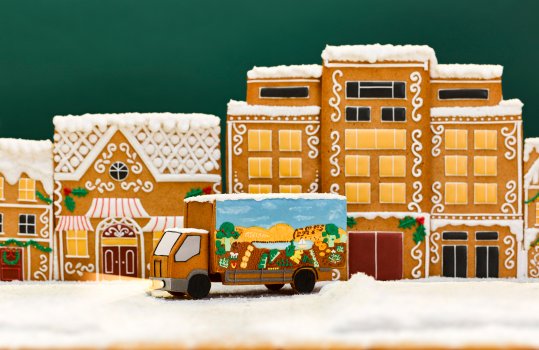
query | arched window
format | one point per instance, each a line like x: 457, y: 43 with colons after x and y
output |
x: 118, y: 171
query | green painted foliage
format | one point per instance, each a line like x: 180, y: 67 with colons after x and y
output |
x: 70, y: 203
x: 227, y: 230
x: 407, y: 222
x: 351, y: 222
x: 193, y: 192
x: 79, y: 192
x: 289, y: 251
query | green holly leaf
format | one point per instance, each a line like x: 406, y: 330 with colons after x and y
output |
x: 69, y: 202
x: 43, y: 198
x: 419, y: 234
x: 79, y: 192
x: 350, y: 222
x: 407, y: 222
x: 194, y: 192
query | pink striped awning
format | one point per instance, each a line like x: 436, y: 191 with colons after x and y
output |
x: 161, y: 223
x: 73, y: 223
x: 117, y: 208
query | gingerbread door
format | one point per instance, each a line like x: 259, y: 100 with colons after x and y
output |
x: 11, y: 264
x: 455, y: 261
x: 486, y: 261
x: 377, y: 254
x: 120, y: 261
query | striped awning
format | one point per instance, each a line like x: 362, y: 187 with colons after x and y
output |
x: 73, y: 223
x: 161, y: 223
x: 117, y: 208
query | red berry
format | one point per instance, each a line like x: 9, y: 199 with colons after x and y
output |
x: 420, y: 220
x: 207, y: 190
x: 67, y: 191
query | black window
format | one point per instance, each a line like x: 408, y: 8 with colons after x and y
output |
x: 486, y: 236
x: 119, y: 171
x: 486, y: 262
x: 463, y: 94
x: 455, y: 261
x: 27, y: 224
x: 358, y: 114
x: 1, y: 223
x: 451, y: 236
x: 393, y: 114
x: 285, y: 92
x: 375, y: 89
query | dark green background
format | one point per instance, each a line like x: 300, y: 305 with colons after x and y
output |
x: 61, y: 57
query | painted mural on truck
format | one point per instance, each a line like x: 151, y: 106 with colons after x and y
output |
x: 280, y: 234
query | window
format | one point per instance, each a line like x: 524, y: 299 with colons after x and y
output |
x: 456, y: 193
x: 455, y: 236
x: 486, y: 236
x: 190, y: 247
x: 259, y: 168
x: 456, y: 139
x: 290, y: 140
x: 375, y: 139
x: 165, y: 245
x: 1, y: 223
x: 485, y: 166
x: 393, y: 114
x: 256, y: 189
x: 2, y: 188
x: 485, y: 193
x: 375, y: 89
x: 259, y: 140
x: 118, y: 171
x: 393, y: 193
x: 358, y: 192
x: 289, y: 167
x: 358, y: 114
x: 463, y: 94
x: 27, y: 189
x: 27, y: 224
x: 77, y: 243
x: 357, y: 166
x: 392, y: 166
x: 456, y: 165
x: 485, y: 139
x: 455, y: 261
x: 486, y: 261
x: 285, y: 92
x: 290, y: 188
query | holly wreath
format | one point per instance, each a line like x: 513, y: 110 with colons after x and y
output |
x: 11, y: 256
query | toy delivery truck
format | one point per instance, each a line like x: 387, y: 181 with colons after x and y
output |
x: 269, y: 239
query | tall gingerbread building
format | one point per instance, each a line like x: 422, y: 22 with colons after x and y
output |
x: 429, y: 156
x: 120, y: 181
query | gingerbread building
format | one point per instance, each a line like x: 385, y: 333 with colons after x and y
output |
x: 531, y: 207
x: 26, y: 218
x: 120, y: 181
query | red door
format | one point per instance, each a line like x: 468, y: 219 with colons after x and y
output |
x: 120, y: 261
x: 377, y: 254
x: 111, y: 260
x: 11, y: 264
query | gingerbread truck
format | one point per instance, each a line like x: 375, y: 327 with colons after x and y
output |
x: 247, y: 239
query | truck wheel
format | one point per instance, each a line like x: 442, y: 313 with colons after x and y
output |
x: 274, y: 287
x: 304, y: 281
x: 199, y: 286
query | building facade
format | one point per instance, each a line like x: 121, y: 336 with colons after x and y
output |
x: 26, y: 218
x: 120, y: 181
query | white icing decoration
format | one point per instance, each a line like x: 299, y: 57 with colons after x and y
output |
x: 313, y: 187
x: 417, y: 255
x: 334, y: 188
x: 336, y: 149
x: 417, y: 102
x: 45, y: 229
x: 40, y: 274
x: 505, y: 108
x: 293, y: 71
x: 313, y: 140
x: 437, y: 197
x: 240, y: 130
x: 137, y: 185
x: 215, y: 187
x: 79, y: 268
x: 437, y: 130
x: 509, y: 263
x: 101, y: 186
x: 336, y: 99
x: 510, y: 141
x: 58, y: 198
x: 510, y: 197
x: 416, y: 148
x: 467, y: 71
x: 379, y: 53
x: 238, y: 108
x: 417, y: 197
x: 435, y: 247
x: 261, y: 197
x: 238, y: 186
x: 534, y: 271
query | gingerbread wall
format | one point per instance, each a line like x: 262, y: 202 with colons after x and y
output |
x: 494, y: 88
x: 254, y: 87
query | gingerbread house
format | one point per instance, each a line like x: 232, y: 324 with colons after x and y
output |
x: 531, y: 208
x: 26, y: 218
x: 120, y: 181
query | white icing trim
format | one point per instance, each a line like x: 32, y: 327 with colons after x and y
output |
x: 335, y: 100
x: 437, y: 131
x: 237, y: 108
x: 515, y: 226
x: 417, y: 255
x: 261, y: 197
x: 466, y: 71
x: 313, y: 140
x: 379, y: 53
x: 371, y: 215
x: 510, y: 141
x: 435, y: 247
x: 505, y: 108
x: 293, y: 71
x: 416, y: 148
x: 336, y: 149
x: 417, y: 102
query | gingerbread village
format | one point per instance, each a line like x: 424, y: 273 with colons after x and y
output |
x: 430, y: 157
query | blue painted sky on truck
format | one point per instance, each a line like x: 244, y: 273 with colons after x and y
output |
x: 294, y: 212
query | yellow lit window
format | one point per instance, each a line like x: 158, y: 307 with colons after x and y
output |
x: 392, y: 166
x: 290, y: 188
x: 456, y: 193
x: 375, y: 139
x: 358, y: 192
x: 259, y: 168
x: 256, y: 189
x: 2, y: 188
x: 485, y: 166
x: 485, y: 193
x: 357, y: 166
x: 259, y: 140
x: 485, y: 139
x: 392, y: 193
x: 77, y: 243
x: 289, y: 167
x: 456, y: 139
x: 27, y: 189
x: 157, y: 237
x: 289, y: 140
x: 456, y: 165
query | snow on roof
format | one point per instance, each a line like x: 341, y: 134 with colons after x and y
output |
x: 530, y: 144
x: 167, y: 121
x: 295, y: 71
x: 260, y: 197
x: 379, y: 53
x: 33, y: 158
x: 466, y: 71
x: 505, y: 108
x: 242, y: 108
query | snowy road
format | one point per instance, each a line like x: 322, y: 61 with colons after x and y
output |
x: 359, y: 312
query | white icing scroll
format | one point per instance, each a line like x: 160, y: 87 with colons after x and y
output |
x: 240, y: 130
x: 313, y: 140
x: 435, y: 247
x: 417, y: 102
x: 336, y: 99
x: 437, y: 197
x: 417, y: 197
x: 510, y: 141
x: 509, y: 263
x: 416, y: 148
x: 417, y: 255
x: 336, y: 149
x: 437, y: 130
x: 510, y: 198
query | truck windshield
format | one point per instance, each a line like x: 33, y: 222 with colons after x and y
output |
x: 166, y: 243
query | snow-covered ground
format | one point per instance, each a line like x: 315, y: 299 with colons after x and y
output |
x: 359, y: 312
